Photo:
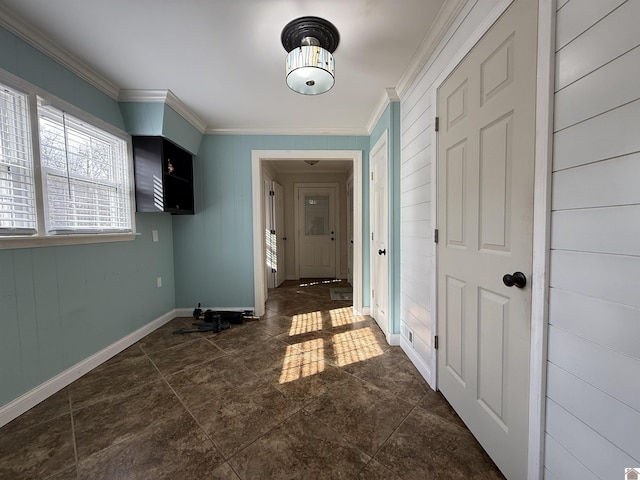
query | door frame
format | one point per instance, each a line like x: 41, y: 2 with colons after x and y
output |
x: 541, y: 215
x: 296, y: 219
x: 257, y: 156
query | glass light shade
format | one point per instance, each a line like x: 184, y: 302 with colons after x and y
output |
x: 310, y: 70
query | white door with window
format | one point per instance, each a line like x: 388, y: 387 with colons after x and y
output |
x: 379, y: 220
x: 486, y: 109
x: 316, y: 216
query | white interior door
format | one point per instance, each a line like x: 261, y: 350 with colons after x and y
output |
x: 485, y: 208
x: 317, y: 232
x: 280, y: 240
x: 379, y: 221
x: 269, y: 237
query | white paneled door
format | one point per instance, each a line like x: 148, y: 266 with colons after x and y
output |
x: 486, y: 137
x: 317, y: 231
x: 280, y: 241
x: 379, y: 219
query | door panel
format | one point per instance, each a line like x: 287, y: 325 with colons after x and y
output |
x: 485, y: 210
x: 317, y: 234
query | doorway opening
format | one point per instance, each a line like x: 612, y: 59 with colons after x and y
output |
x: 258, y: 161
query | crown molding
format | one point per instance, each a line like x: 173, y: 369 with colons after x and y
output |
x: 355, y: 132
x: 36, y: 39
x: 389, y: 95
x: 168, y: 98
x: 445, y: 18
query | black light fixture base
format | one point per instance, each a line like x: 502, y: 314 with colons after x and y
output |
x: 315, y: 27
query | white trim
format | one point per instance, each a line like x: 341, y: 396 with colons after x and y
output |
x: 389, y: 95
x: 417, y: 361
x: 58, y: 240
x: 354, y: 131
x: 39, y: 41
x: 257, y: 156
x: 445, y: 18
x: 167, y: 97
x: 541, y: 235
x: 43, y: 391
x: 394, y: 339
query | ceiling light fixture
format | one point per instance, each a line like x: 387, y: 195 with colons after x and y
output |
x: 311, y: 162
x: 310, y: 43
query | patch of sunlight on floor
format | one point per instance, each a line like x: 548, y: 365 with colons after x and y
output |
x: 305, y: 323
x: 343, y: 316
x: 303, y: 360
x: 355, y: 346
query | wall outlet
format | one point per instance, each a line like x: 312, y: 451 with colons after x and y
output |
x: 159, y: 281
x: 154, y: 236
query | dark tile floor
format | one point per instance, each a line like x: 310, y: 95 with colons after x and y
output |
x: 308, y: 391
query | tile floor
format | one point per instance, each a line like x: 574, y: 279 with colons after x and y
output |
x: 309, y: 391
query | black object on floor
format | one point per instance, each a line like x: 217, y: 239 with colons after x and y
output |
x: 215, y: 321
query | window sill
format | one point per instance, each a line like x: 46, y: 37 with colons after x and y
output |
x: 59, y: 240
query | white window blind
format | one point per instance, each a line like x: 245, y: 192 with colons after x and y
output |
x: 17, y: 199
x: 85, y: 175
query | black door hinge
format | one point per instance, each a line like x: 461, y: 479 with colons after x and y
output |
x: 437, y: 124
x: 435, y: 236
x: 435, y: 342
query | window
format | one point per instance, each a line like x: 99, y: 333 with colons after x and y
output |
x: 84, y: 175
x: 17, y: 199
x: 64, y: 176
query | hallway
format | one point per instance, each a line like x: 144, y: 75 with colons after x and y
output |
x: 307, y: 391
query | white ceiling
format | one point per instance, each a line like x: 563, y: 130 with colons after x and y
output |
x: 224, y: 60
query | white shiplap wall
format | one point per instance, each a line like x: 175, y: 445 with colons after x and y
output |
x: 416, y: 212
x: 593, y: 387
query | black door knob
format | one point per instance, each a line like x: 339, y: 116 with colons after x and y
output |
x: 382, y: 252
x: 517, y: 279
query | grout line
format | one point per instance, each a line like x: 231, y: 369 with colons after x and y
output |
x: 73, y: 435
x: 191, y: 414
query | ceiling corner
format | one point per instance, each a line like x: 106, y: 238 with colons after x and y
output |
x: 36, y: 39
x: 445, y: 18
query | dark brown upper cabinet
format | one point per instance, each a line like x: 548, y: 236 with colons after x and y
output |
x: 164, y: 176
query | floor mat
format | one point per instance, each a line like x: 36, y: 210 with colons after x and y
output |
x: 341, y: 293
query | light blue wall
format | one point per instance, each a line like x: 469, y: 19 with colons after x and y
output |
x: 390, y: 121
x: 59, y: 305
x: 157, y: 118
x: 213, y: 249
x: 30, y: 64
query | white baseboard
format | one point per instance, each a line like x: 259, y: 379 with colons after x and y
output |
x: 188, y: 312
x: 422, y: 367
x: 394, y: 339
x: 17, y: 407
